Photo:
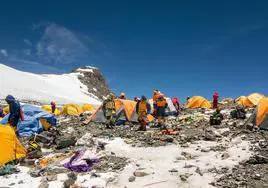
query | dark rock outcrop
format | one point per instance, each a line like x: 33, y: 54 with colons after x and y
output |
x: 94, y: 80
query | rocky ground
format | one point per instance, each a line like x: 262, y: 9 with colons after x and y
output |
x: 198, y: 155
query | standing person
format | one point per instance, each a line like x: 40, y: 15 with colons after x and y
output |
x: 109, y: 110
x: 176, y: 103
x: 122, y: 96
x: 156, y: 95
x: 137, y: 99
x: 53, y: 107
x: 215, y: 100
x: 15, y: 111
x: 161, y: 106
x: 143, y: 108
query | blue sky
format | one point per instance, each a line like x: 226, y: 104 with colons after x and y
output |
x: 183, y: 48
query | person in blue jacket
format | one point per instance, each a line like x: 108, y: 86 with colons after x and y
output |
x: 15, y: 113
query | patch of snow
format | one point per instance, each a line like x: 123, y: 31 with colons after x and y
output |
x: 65, y: 88
x: 158, y: 161
x: 84, y: 70
x: 94, y: 89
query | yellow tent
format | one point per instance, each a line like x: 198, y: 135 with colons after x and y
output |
x: 6, y: 109
x: 198, y: 102
x: 255, y: 98
x: 87, y: 107
x: 71, y: 109
x: 249, y: 101
x: 10, y: 146
x: 49, y: 110
x: 262, y: 113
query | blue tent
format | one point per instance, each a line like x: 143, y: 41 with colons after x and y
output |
x: 31, y: 123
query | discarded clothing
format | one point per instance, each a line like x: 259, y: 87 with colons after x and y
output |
x: 81, y: 161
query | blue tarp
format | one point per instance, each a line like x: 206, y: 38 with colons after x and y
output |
x: 31, y: 123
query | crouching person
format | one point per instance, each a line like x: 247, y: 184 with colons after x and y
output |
x: 216, y: 118
x: 143, y: 108
x: 239, y: 113
x: 109, y: 110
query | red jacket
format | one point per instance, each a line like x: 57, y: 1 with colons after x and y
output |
x: 215, y: 96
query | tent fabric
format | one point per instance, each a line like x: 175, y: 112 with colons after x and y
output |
x: 250, y: 101
x: 72, y: 110
x: 87, y: 107
x: 198, y: 102
x: 11, y: 148
x: 171, y: 109
x: 32, y: 123
x: 255, y: 98
x: 49, y: 109
x: 6, y: 109
x: 122, y: 107
x: 262, y: 113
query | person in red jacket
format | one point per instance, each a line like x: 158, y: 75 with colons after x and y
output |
x: 53, y: 107
x: 176, y: 103
x: 215, y: 100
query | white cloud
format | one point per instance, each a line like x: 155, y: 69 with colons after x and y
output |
x: 26, y: 51
x: 27, y: 42
x: 4, y: 52
x: 61, y: 46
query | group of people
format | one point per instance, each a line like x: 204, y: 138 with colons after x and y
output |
x: 143, y: 108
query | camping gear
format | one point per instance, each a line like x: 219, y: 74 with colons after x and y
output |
x: 49, y: 109
x: 198, y: 102
x: 87, y: 107
x: 32, y: 124
x: 72, y: 110
x: 261, y: 114
x: 11, y: 148
x: 249, y: 101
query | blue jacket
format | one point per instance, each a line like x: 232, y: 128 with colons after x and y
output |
x: 14, y: 110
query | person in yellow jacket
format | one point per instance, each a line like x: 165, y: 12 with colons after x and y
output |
x: 109, y: 110
x: 161, y: 106
x: 156, y: 95
x: 143, y: 108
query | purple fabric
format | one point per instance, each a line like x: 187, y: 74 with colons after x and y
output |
x: 79, y: 164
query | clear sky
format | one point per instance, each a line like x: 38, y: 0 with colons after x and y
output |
x: 183, y: 48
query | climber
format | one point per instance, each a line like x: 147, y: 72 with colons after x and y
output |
x: 216, y: 117
x: 137, y: 99
x: 143, y: 108
x: 2, y: 113
x: 161, y: 106
x: 156, y: 95
x: 215, y: 100
x: 109, y: 110
x: 122, y: 96
x: 238, y: 113
x: 53, y: 107
x: 15, y: 113
x: 176, y: 103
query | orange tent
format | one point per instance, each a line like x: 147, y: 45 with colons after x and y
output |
x: 249, y: 101
x: 198, y: 102
x: 262, y: 113
x: 127, y: 107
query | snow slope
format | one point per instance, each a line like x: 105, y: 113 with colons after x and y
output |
x: 65, y: 88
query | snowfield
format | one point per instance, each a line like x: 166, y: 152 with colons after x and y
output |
x: 65, y: 88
